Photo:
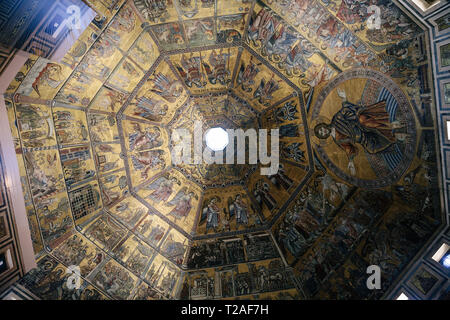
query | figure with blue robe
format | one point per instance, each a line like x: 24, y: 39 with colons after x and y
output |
x: 354, y: 124
x: 210, y: 214
x: 239, y: 209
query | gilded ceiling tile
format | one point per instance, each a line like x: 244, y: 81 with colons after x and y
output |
x: 85, y: 201
x: 34, y: 123
x: 105, y: 232
x: 126, y: 76
x: 101, y: 59
x: 144, y: 51
x: 44, y: 79
x: 190, y: 9
x: 156, y: 12
x: 225, y: 7
x: 362, y: 20
x: 113, y: 187
x: 81, y: 47
x: 70, y: 126
x: 159, y: 97
x: 141, y: 137
x: 108, y: 100
x: 124, y: 28
x: 54, y: 216
x: 175, y: 197
x: 175, y: 247
x: 231, y: 28
x: 20, y: 76
x: 41, y: 280
x: 103, y: 128
x: 78, y: 250
x: 310, y: 213
x: 106, y: 9
x: 107, y: 157
x: 79, y: 90
x: 145, y: 292
x: 206, y: 71
x: 146, y: 164
x: 129, y: 212
x: 259, y: 84
x: 164, y: 276
x: 78, y: 165
x: 170, y: 36
x: 200, y: 32
x: 134, y: 254
x: 111, y: 272
x: 226, y: 210
x: 152, y: 229
x: 201, y: 284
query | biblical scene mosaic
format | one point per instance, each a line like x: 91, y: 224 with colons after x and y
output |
x: 356, y: 184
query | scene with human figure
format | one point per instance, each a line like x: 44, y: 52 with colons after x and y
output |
x: 347, y: 112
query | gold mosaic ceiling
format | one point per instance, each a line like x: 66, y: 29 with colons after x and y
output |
x: 93, y: 131
x: 147, y: 74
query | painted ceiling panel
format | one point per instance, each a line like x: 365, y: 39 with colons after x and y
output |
x: 206, y: 71
x: 55, y: 73
x: 144, y: 51
x: 258, y: 83
x: 108, y: 100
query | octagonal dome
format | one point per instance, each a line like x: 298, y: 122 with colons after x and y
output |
x: 356, y: 174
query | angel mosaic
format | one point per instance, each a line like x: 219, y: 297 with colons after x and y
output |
x: 150, y: 108
x: 247, y: 74
x: 211, y: 213
x: 263, y: 196
x: 191, y: 71
x: 218, y: 69
x: 281, y: 179
x: 166, y: 87
x: 239, y: 209
x: 265, y: 90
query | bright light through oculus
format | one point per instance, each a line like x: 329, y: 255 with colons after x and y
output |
x: 446, y: 261
x: 216, y: 139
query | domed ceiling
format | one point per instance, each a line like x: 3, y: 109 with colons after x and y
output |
x: 93, y: 141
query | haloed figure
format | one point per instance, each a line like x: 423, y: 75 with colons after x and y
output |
x: 212, y: 215
x: 182, y: 203
x: 240, y: 210
x: 353, y: 124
